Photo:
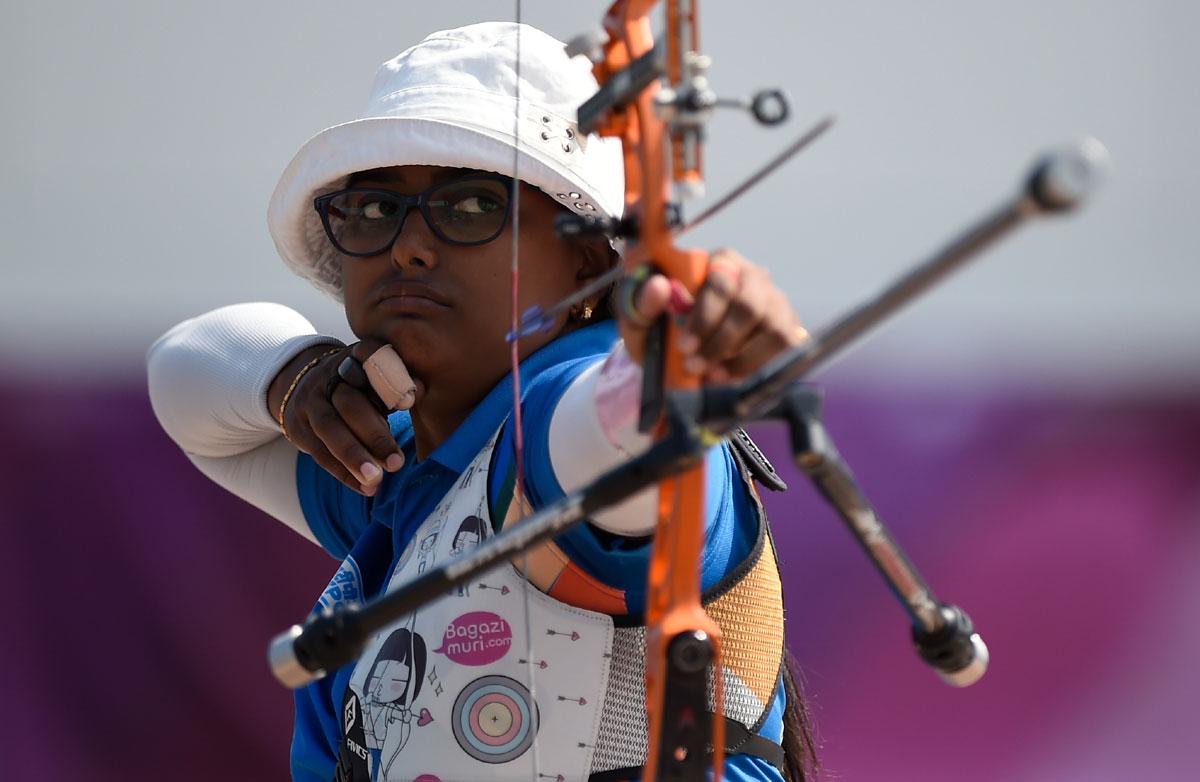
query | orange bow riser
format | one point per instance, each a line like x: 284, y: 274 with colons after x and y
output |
x: 682, y: 640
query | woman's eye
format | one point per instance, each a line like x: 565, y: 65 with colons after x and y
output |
x: 478, y: 204
x: 378, y: 210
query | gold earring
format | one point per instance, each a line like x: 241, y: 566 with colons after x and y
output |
x: 587, y: 311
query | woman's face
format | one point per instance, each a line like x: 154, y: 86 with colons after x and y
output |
x: 447, y: 308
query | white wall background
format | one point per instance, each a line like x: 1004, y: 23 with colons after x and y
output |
x: 141, y: 140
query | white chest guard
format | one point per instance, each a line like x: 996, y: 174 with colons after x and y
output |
x: 452, y: 693
x: 446, y: 693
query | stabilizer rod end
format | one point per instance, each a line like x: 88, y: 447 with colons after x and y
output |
x: 285, y: 663
x: 954, y: 649
x: 974, y: 671
x: 1064, y: 179
x: 326, y: 642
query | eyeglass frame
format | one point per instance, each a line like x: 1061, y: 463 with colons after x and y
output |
x: 421, y: 202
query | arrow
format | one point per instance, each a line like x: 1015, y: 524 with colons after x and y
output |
x: 580, y: 701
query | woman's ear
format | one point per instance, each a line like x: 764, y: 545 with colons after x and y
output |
x: 596, y: 256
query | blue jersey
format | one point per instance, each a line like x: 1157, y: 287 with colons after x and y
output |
x: 369, y: 533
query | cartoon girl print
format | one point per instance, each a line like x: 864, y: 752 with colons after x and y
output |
x: 391, y: 687
x: 470, y: 532
x: 426, y: 547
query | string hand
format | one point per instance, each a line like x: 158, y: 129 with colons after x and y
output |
x: 328, y: 409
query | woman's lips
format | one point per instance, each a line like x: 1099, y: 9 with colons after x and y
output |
x: 411, y: 298
x: 411, y: 304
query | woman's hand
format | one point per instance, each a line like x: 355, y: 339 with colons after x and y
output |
x: 349, y: 438
x: 737, y: 322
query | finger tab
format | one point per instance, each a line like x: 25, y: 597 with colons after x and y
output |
x: 390, y: 378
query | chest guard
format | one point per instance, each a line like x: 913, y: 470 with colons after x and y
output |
x: 452, y: 692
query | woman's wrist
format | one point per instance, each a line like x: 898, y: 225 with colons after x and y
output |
x: 284, y: 380
x: 208, y: 376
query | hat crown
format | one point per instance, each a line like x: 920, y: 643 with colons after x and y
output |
x: 482, y: 59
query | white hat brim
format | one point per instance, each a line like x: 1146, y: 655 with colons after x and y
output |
x: 327, y: 159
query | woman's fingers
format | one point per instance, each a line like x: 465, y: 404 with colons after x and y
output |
x: 312, y: 445
x: 721, y: 287
x: 737, y: 322
x: 344, y: 445
x: 740, y: 320
x: 342, y: 430
x: 368, y: 426
x: 761, y: 346
x: 727, y: 312
x: 651, y: 299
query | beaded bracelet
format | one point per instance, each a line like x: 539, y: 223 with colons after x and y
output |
x: 296, y: 381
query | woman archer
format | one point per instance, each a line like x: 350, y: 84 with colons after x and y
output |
x: 382, y: 450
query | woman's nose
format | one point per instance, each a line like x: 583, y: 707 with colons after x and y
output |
x: 415, y: 246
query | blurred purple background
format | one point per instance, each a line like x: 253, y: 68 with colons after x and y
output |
x: 1067, y: 529
x: 1031, y: 430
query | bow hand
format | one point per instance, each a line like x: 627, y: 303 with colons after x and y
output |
x: 736, y: 323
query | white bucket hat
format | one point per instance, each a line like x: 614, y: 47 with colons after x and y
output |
x: 451, y: 101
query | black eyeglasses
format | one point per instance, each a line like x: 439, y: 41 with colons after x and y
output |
x: 365, y: 221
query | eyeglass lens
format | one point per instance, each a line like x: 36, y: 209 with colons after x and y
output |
x: 465, y: 211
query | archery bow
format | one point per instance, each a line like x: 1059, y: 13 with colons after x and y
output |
x: 654, y: 120
x: 683, y: 643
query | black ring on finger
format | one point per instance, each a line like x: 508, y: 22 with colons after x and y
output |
x: 331, y: 385
x: 353, y: 373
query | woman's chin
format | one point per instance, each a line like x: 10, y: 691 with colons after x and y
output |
x: 417, y: 342
x: 444, y: 364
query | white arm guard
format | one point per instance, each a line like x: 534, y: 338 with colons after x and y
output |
x: 594, y: 429
x: 208, y: 380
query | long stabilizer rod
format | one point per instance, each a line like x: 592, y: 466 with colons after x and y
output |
x: 336, y: 636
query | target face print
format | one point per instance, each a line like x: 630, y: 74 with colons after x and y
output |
x: 494, y: 719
